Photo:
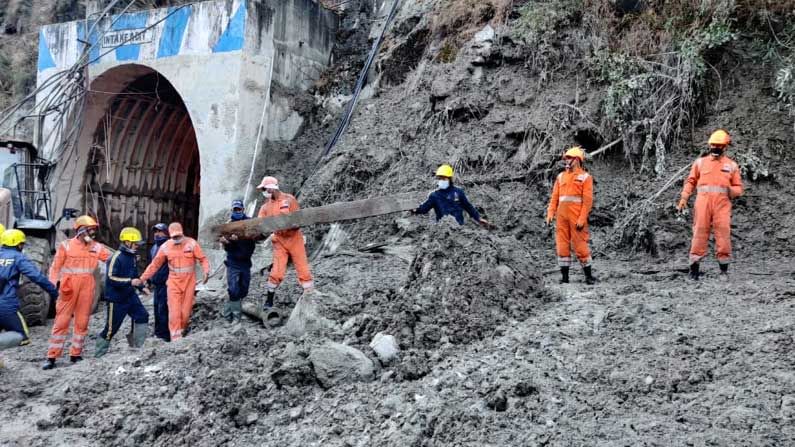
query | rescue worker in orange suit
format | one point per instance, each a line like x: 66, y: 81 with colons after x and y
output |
x: 121, y: 295
x: 716, y: 179
x: 571, y: 203
x: 13, y: 264
x: 158, y: 284
x: 181, y: 253
x: 287, y: 244
x: 73, y: 269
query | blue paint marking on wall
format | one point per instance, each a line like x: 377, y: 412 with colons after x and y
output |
x: 232, y: 38
x: 173, y: 30
x: 45, y: 57
x: 81, y: 35
x: 133, y: 21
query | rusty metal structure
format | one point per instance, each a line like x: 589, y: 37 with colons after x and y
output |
x: 143, y: 166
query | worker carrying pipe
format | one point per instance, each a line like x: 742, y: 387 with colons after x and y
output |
x: 121, y: 295
x: 13, y: 264
x: 571, y: 203
x: 449, y: 200
x: 181, y: 253
x: 238, y: 266
x: 73, y: 269
x: 716, y: 180
x: 287, y: 244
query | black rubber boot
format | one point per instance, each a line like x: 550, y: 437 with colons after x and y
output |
x: 75, y: 358
x: 589, y: 279
x: 564, y: 275
x: 724, y: 269
x: 269, y: 300
x: 694, y: 271
x: 49, y: 364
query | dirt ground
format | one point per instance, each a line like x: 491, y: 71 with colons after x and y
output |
x: 492, y: 350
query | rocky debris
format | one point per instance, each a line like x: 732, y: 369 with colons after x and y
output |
x: 306, y: 316
x: 385, y: 347
x: 335, y: 363
x: 295, y: 370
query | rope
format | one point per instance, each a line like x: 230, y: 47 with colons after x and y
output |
x: 259, y: 128
x: 348, y: 114
x: 346, y: 118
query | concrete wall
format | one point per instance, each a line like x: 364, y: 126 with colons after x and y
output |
x: 219, y: 55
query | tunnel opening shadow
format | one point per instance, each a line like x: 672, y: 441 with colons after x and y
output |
x: 143, y: 162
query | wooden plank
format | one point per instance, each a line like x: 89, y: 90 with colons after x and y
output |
x: 336, y: 212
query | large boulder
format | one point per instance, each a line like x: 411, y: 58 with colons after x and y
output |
x: 337, y: 363
x: 307, y: 315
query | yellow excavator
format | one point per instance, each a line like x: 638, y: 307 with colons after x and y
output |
x: 26, y: 204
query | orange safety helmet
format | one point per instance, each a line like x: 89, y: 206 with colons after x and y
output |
x: 175, y: 229
x: 268, y: 182
x: 85, y: 221
x: 575, y: 152
x: 720, y: 138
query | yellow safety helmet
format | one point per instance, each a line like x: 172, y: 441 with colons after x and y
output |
x: 12, y: 238
x: 85, y: 221
x: 575, y: 152
x: 445, y: 170
x: 130, y: 234
x: 720, y: 138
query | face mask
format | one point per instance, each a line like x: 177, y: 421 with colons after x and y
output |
x: 238, y: 215
x: 160, y: 239
x: 716, y: 151
x: 177, y: 240
x: 130, y: 248
x: 443, y: 184
x: 267, y: 195
x: 568, y: 164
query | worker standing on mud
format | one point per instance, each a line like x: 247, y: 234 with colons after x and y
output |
x: 716, y: 179
x: 238, y: 266
x: 448, y: 200
x: 571, y: 202
x: 181, y: 253
x: 73, y: 269
x: 12, y: 264
x: 287, y: 244
x: 122, y: 298
x: 158, y: 283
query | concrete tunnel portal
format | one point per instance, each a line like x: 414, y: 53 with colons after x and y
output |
x: 143, y: 162
x: 174, y: 105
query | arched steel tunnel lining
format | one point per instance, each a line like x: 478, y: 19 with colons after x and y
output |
x: 153, y: 173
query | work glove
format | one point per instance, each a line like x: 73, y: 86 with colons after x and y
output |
x: 682, y: 205
x: 223, y: 240
x: 485, y: 223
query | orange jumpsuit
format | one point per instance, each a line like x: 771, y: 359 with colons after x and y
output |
x: 287, y: 244
x: 717, y: 181
x: 74, y: 266
x: 181, y: 283
x: 572, y: 200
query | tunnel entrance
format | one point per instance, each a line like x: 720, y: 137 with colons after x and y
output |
x: 143, y: 162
